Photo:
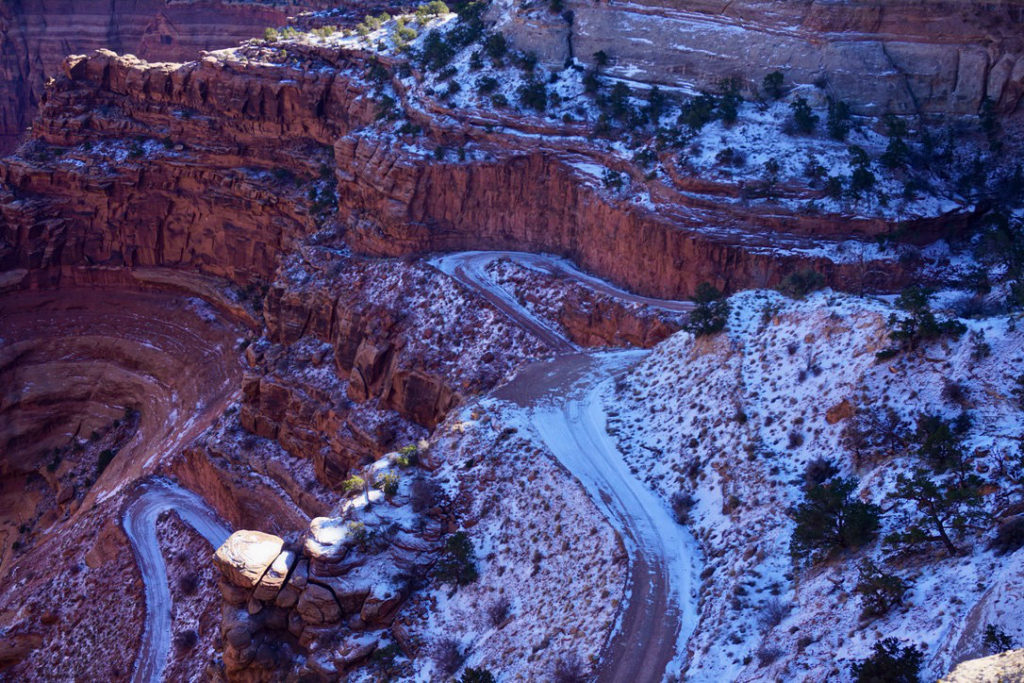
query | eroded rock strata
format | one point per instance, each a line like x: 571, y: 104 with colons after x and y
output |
x: 36, y: 35
x: 211, y: 274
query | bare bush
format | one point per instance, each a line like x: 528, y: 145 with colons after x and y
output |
x: 773, y: 613
x: 766, y: 654
x: 499, y: 611
x: 186, y: 640
x: 447, y: 656
x: 423, y: 494
x: 569, y: 669
x: 682, y: 503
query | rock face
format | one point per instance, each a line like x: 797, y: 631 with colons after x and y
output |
x: 900, y: 56
x: 1005, y: 666
x: 36, y: 35
x: 240, y: 124
x: 318, y: 608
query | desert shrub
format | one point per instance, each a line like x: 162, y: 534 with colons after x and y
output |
x: 270, y: 35
x: 189, y: 583
x: 772, y: 84
x: 457, y: 563
x: 499, y: 611
x: 354, y: 484
x: 832, y: 518
x: 1009, y: 536
x: 447, y: 656
x: 710, y: 313
x: 730, y: 157
x: 186, y: 640
x: 879, y: 591
x: 799, y: 284
x: 569, y: 669
x: 766, y: 654
x: 387, y: 483
x: 682, y: 503
x: 407, y: 456
x: 612, y: 179
x: 954, y: 392
x: 804, y: 120
x: 481, y: 675
x: 533, y: 94
x: 889, y: 663
x: 423, y: 494
x: 996, y: 640
x: 818, y: 471
x: 773, y: 613
x: 838, y: 120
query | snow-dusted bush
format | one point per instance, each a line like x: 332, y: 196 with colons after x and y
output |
x: 879, y: 590
x: 833, y: 518
x: 710, y: 313
x: 889, y: 663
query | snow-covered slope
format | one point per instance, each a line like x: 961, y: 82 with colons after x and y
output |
x: 734, y: 419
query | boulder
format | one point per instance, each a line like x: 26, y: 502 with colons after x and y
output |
x: 273, y: 580
x: 246, y: 556
x: 317, y: 605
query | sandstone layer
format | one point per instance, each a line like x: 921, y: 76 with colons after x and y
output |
x: 903, y: 57
x: 267, y: 134
x: 36, y: 35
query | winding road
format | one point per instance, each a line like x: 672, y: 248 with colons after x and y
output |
x: 560, y: 400
x: 156, y: 497
x: 470, y: 269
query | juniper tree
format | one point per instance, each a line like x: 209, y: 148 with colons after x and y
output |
x: 833, y: 518
x: 889, y: 663
x: 940, y: 509
x: 710, y: 313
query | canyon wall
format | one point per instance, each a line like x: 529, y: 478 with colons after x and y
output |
x: 36, y: 35
x: 137, y: 164
x: 904, y: 57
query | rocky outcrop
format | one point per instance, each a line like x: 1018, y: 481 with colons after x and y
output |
x: 901, y: 57
x: 36, y: 35
x: 263, y: 132
x: 1005, y: 666
x: 533, y: 201
x: 318, y: 607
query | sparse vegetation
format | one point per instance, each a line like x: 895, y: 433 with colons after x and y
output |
x: 801, y: 283
x: 772, y: 84
x: 457, y: 563
x: 832, y: 518
x: 804, y: 120
x: 879, y: 591
x: 710, y: 313
x: 890, y: 662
